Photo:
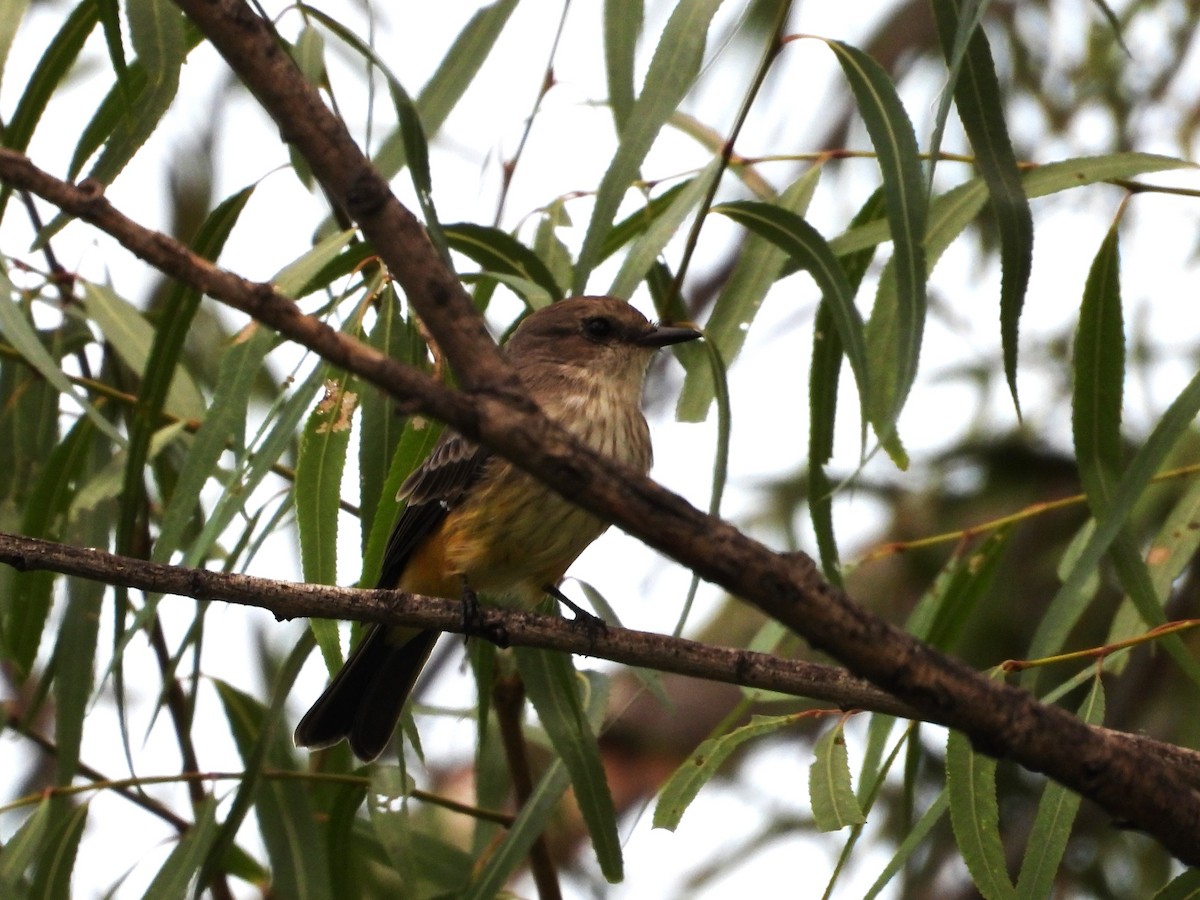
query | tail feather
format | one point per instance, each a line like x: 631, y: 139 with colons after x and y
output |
x: 364, y: 701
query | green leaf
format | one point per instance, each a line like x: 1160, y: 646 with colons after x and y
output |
x: 823, y: 383
x: 683, y: 786
x: 498, y: 251
x: 549, y: 246
x: 622, y: 27
x: 646, y: 249
x: 834, y: 805
x: 1184, y: 887
x: 897, y: 321
x: 720, y: 467
x: 108, y: 116
x: 277, y: 433
x: 971, y: 781
x: 382, y: 428
x: 107, y: 482
x: 74, y: 661
x: 160, y: 366
x: 44, y: 513
x: 447, y: 85
x: 759, y: 265
x: 535, y: 814
x: 319, y: 470
x: 673, y: 68
x: 30, y: 415
x: 552, y: 685
x: 224, y: 424
x: 133, y: 338
x: 12, y: 14
x: 309, y: 54
x: 19, y: 851
x: 808, y: 249
x: 336, y: 820
x: 156, y: 31
x: 297, y: 278
x: 1056, y: 813
x: 52, y: 68
x: 1100, y: 372
x: 175, y: 877
x: 912, y: 842
x: 636, y: 223
x: 981, y: 107
x: 285, y: 817
x: 1070, y: 600
x: 530, y: 823
x: 19, y: 331
x: 1170, y: 552
x: 534, y: 295
x: 56, y: 862
x: 942, y: 614
x: 1096, y: 422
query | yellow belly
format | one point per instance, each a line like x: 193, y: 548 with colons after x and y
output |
x: 512, y: 535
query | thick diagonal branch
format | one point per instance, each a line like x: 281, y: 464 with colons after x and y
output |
x: 661, y: 653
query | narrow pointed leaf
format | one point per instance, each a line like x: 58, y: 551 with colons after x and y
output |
x: 20, y: 850
x: 760, y: 263
x: 535, y: 815
x: 298, y: 278
x: 981, y: 108
x: 897, y: 321
x: 911, y: 844
x: 174, y: 879
x: 319, y: 469
x: 1056, y: 813
x: 134, y: 338
x: 834, y: 805
x: 454, y: 75
x: 673, y: 68
x: 61, y: 53
x: 808, y: 249
x: 553, y: 688
x: 971, y: 780
x: 646, y: 249
x: 622, y: 27
x: 823, y: 384
x: 224, y: 424
x: 1185, y: 887
x: 19, y: 331
x: 498, y: 251
x: 683, y: 786
x: 56, y: 864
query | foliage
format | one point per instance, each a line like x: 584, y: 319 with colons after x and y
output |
x: 137, y: 416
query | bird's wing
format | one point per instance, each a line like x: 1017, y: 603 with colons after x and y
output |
x: 432, y: 490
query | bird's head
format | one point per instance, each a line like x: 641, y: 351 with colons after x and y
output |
x: 592, y: 334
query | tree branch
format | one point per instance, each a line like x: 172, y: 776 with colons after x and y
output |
x: 662, y: 653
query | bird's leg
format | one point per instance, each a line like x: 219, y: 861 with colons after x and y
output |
x: 474, y: 622
x: 592, y: 624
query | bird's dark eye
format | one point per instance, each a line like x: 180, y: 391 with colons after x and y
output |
x: 598, y: 328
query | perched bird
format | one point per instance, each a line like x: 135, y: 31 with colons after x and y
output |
x: 474, y: 522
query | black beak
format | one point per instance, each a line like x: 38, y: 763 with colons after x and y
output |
x: 665, y: 335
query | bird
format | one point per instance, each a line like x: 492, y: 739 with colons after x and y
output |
x: 474, y: 522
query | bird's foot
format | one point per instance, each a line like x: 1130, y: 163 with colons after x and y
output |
x: 475, y: 623
x: 592, y: 624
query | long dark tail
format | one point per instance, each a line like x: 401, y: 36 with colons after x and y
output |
x: 364, y: 700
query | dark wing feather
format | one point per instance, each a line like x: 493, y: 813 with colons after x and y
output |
x: 434, y: 489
